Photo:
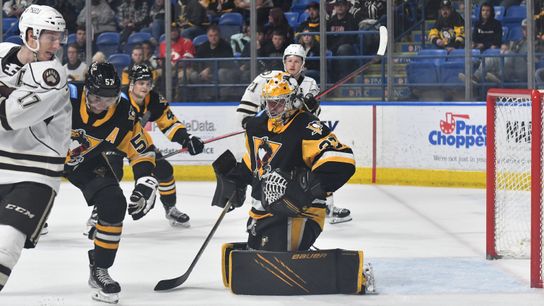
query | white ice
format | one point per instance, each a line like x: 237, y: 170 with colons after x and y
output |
x: 427, y: 246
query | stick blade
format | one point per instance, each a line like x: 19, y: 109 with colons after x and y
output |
x: 167, y: 284
x: 383, y: 41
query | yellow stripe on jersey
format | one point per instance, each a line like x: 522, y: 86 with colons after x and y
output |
x: 297, y: 227
x: 318, y: 215
x: 105, y: 245
x: 312, y: 148
x: 333, y: 156
x: 172, y: 130
x: 170, y: 182
x: 257, y: 216
x: 109, y: 229
x: 360, y: 278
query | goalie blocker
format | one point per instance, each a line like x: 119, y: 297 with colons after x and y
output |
x: 294, y: 273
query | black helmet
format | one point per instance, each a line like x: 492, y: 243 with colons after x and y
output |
x: 140, y: 72
x: 102, y: 80
x: 445, y: 3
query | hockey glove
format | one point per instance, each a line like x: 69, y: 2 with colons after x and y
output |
x: 194, y: 145
x: 142, y: 198
x: 289, y: 193
x: 311, y: 104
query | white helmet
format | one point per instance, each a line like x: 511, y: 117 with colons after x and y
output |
x: 39, y: 18
x: 294, y: 49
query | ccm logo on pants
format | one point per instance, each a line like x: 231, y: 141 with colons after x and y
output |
x: 20, y: 210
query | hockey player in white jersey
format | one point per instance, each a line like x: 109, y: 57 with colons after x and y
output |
x: 35, y: 122
x: 294, y: 57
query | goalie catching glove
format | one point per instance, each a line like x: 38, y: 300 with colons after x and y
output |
x: 290, y: 193
x: 228, y: 188
x: 142, y: 198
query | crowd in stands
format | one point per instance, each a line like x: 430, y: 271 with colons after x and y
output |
x: 212, y: 29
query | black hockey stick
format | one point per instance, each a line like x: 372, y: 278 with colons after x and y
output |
x: 168, y: 284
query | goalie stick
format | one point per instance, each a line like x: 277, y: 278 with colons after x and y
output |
x: 172, y: 283
x: 379, y: 55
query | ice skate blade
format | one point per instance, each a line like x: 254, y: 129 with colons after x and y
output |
x: 334, y: 220
x: 110, y: 298
x: 179, y: 224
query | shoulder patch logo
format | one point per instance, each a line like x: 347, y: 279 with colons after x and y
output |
x: 316, y: 127
x: 51, y: 77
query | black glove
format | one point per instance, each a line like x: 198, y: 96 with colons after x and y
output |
x: 194, y: 144
x: 227, y: 188
x: 142, y: 198
x: 310, y: 103
x: 290, y: 193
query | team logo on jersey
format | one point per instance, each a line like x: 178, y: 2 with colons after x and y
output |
x: 10, y: 68
x: 51, y: 77
x: 81, y: 144
x: 265, y: 150
x: 316, y: 127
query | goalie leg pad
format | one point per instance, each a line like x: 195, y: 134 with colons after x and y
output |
x: 295, y: 273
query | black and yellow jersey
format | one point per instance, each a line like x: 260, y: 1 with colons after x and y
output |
x: 302, y: 142
x: 115, y: 129
x: 156, y: 109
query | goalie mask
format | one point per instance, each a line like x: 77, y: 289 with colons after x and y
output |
x: 278, y: 96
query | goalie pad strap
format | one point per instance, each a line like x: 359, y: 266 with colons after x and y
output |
x: 292, y: 273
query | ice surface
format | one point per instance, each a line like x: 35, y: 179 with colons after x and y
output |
x: 427, y: 246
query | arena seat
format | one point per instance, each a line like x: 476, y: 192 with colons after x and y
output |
x: 455, y: 64
x: 424, y: 67
x: 71, y: 39
x: 303, y: 17
x: 515, y: 33
x: 108, y: 42
x: 10, y: 25
x: 514, y: 15
x: 199, y: 40
x: 299, y: 6
x: 229, y: 24
x: 292, y: 19
x: 120, y: 61
x: 16, y: 39
x: 505, y: 31
x: 135, y: 39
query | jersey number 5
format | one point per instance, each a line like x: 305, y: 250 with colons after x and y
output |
x: 139, y: 143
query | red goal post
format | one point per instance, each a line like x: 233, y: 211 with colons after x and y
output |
x: 514, y: 208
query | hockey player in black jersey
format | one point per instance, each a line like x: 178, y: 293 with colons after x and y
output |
x: 104, y: 121
x: 150, y: 106
x: 292, y: 163
x: 35, y: 118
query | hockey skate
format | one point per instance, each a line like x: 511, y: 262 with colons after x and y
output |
x: 370, y: 285
x: 176, y: 217
x: 99, y: 278
x: 91, y: 224
x: 338, y: 215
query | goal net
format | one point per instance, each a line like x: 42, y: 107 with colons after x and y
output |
x: 514, y: 178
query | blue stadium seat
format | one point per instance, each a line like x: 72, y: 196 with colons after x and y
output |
x: 424, y: 68
x: 199, y: 40
x: 16, y: 39
x: 458, y: 55
x: 449, y: 72
x: 303, y: 17
x: 292, y: 19
x: 135, y: 39
x: 120, y: 61
x: 514, y: 15
x: 229, y: 24
x: 8, y: 22
x: 162, y: 38
x: 300, y: 5
x: 108, y: 42
x: 71, y: 38
x: 499, y: 12
x: 515, y: 33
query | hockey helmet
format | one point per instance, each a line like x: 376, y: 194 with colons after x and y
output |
x: 297, y: 50
x: 278, y: 95
x: 102, y: 80
x: 40, y: 18
x: 140, y: 72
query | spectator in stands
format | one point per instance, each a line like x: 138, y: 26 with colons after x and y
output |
x: 76, y: 70
x: 368, y: 12
x: 136, y: 57
x: 156, y: 16
x: 263, y: 8
x: 278, y: 23
x: 449, y: 31
x: 245, y: 76
x: 341, y: 45
x: 311, y: 46
x: 487, y: 32
x: 81, y: 43
x: 539, y: 22
x: 219, y: 7
x: 149, y: 55
x: 102, y: 17
x: 274, y: 48
x: 515, y: 67
x: 216, y: 47
x: 312, y: 23
x: 133, y: 16
x: 194, y: 19
x: 239, y: 41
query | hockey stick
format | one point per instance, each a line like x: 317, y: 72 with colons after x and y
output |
x: 168, y: 284
x: 205, y: 141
